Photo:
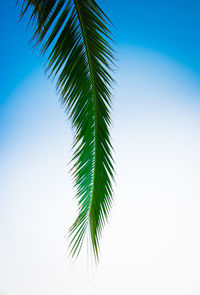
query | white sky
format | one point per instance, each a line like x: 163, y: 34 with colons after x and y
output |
x: 152, y: 242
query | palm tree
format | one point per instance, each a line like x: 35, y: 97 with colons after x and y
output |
x: 76, y: 38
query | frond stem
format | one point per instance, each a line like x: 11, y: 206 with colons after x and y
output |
x: 94, y: 91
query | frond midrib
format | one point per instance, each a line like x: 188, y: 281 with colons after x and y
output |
x: 94, y: 98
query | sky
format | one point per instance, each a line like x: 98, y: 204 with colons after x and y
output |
x: 151, y: 243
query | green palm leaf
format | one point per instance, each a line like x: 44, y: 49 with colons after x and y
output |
x: 75, y: 35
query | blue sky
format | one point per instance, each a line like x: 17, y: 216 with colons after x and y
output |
x: 151, y: 244
x: 170, y: 28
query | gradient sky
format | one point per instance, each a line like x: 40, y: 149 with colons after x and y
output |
x: 151, y: 244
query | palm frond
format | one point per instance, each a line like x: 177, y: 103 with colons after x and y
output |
x: 75, y: 35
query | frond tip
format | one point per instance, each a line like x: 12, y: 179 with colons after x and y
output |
x: 75, y: 35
